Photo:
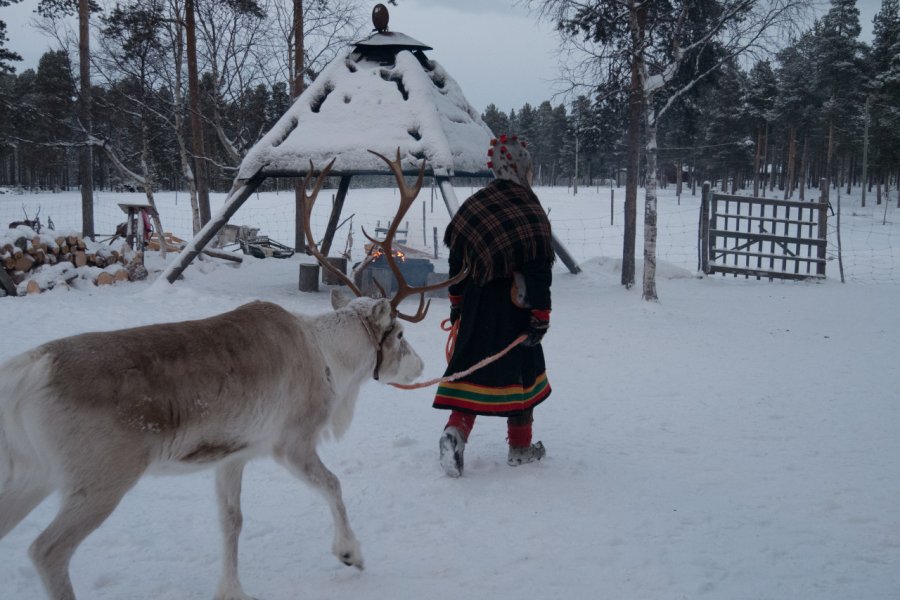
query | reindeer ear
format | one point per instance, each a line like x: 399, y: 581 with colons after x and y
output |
x: 382, y: 313
x: 339, y: 300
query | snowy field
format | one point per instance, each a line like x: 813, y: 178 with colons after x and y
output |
x: 738, y: 440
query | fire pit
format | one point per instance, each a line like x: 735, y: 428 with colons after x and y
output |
x: 415, y: 271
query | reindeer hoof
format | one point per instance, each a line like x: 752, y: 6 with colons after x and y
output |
x: 352, y: 557
x: 348, y: 559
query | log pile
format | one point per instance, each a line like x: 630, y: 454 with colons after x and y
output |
x: 31, y: 262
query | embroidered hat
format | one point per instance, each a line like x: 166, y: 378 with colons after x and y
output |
x: 509, y: 159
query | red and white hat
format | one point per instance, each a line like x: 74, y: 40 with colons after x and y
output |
x: 509, y: 159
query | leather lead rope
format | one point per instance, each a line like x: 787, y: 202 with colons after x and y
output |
x: 450, y: 344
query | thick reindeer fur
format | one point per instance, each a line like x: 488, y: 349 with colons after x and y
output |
x: 88, y: 415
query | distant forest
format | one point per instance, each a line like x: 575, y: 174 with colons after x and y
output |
x: 781, y: 117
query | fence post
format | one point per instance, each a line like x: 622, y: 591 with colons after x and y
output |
x: 703, y: 246
x: 612, y: 194
x: 823, y: 226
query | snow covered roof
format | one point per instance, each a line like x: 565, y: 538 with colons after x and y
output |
x: 382, y: 94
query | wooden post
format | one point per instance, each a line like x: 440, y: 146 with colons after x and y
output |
x: 236, y: 198
x: 448, y: 194
x: 435, y: 243
x: 336, y: 209
x: 823, y: 226
x: 575, y: 180
x: 704, y: 229
x: 564, y: 256
x: 330, y: 278
x: 612, y: 194
x: 309, y: 277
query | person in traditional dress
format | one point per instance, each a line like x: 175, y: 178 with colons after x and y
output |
x: 502, y: 236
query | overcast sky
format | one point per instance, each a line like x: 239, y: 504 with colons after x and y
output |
x: 496, y: 50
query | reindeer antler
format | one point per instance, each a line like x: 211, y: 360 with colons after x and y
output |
x: 407, y: 196
x: 308, y: 201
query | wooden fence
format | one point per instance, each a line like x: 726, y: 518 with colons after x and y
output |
x: 763, y: 237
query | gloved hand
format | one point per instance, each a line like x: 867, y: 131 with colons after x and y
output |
x: 537, y: 327
x: 455, y: 308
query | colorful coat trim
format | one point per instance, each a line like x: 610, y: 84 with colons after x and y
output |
x: 485, y: 399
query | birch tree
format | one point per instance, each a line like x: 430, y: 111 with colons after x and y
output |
x: 659, y: 50
x: 131, y: 43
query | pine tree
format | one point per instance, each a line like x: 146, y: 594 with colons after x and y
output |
x: 798, y: 109
x: 495, y: 119
x: 762, y: 89
x: 6, y: 56
x: 840, y: 66
x: 886, y: 97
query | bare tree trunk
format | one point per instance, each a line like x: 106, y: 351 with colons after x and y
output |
x: 678, y: 179
x: 791, y: 160
x: 650, y: 210
x: 766, y: 161
x: 756, y: 161
x: 148, y: 185
x: 85, y: 153
x: 186, y: 170
x: 804, y: 158
x: 200, y: 166
x: 633, y: 142
x: 829, y: 152
x: 299, y: 62
x: 850, y: 170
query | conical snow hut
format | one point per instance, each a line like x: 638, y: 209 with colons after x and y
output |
x: 383, y: 94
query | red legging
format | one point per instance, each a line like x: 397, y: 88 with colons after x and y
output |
x: 518, y: 426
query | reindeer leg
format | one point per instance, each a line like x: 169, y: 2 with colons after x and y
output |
x: 304, y: 462
x: 228, y: 491
x: 84, y: 508
x: 17, y: 500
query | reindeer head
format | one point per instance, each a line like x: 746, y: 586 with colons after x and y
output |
x: 396, y: 361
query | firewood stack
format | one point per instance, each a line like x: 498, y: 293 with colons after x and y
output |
x: 31, y: 262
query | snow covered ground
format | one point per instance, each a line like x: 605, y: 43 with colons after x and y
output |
x: 737, y: 440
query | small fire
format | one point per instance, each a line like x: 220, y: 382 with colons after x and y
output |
x: 378, y: 252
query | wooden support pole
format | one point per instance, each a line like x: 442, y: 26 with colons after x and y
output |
x: 336, y: 209
x: 236, y: 198
x: 703, y: 258
x: 823, y: 226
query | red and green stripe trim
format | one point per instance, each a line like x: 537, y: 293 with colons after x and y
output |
x: 485, y: 398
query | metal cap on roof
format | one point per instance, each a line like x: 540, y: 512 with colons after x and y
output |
x: 391, y: 39
x: 382, y: 39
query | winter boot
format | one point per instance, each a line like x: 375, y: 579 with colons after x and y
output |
x: 452, y: 446
x: 526, y: 454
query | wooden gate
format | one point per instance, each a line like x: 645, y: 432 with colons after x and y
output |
x: 763, y: 237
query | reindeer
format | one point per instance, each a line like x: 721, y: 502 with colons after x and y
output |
x: 34, y: 223
x: 89, y: 415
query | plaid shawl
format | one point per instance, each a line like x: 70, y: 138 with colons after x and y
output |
x: 499, y: 229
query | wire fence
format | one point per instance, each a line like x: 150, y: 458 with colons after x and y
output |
x: 590, y: 224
